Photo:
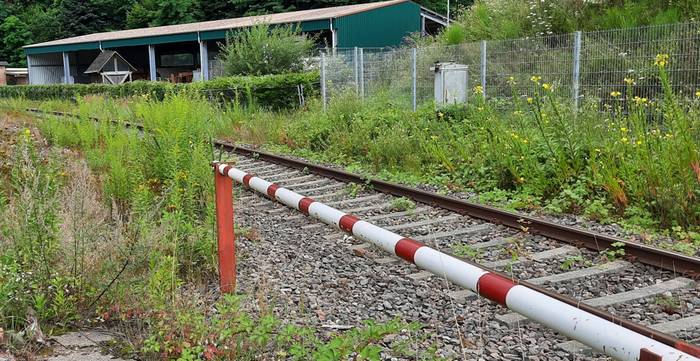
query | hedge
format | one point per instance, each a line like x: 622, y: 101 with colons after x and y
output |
x: 272, y: 91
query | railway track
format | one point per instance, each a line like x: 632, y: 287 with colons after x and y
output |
x: 350, y: 280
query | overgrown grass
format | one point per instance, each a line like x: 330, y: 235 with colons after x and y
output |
x: 132, y: 243
x: 636, y: 162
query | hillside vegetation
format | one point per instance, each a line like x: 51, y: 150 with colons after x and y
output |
x: 507, y: 19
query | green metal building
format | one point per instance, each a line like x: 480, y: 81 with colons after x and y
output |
x: 168, y: 52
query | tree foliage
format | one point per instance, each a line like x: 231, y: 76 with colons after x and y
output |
x: 14, y: 33
x: 506, y: 19
x: 263, y: 49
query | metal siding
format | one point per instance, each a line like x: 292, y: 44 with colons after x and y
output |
x: 150, y: 40
x: 386, y: 26
x: 45, y: 68
x: 62, y: 48
x: 315, y: 25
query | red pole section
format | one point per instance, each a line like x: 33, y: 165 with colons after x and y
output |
x: 598, y: 333
x: 224, y: 229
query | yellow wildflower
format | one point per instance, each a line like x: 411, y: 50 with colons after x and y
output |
x: 640, y: 101
x: 624, y: 140
x: 530, y: 100
x: 697, y: 93
x: 629, y: 81
x: 547, y: 86
x: 511, y: 80
x: 661, y: 60
x: 624, y: 130
x: 535, y: 79
x: 27, y: 132
x: 615, y: 94
x: 478, y: 90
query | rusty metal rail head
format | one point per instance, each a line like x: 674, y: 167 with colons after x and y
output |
x: 672, y: 261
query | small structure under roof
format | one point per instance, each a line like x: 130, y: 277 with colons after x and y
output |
x: 113, y: 68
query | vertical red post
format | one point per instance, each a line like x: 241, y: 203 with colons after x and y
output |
x: 224, y: 228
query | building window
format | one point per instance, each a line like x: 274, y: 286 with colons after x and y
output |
x: 175, y: 60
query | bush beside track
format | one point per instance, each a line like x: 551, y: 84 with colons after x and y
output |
x: 273, y: 91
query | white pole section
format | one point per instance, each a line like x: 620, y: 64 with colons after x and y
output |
x: 605, y: 336
x: 204, y: 59
x: 152, y: 62
x: 66, y: 69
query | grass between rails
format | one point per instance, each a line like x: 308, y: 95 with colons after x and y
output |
x: 114, y: 228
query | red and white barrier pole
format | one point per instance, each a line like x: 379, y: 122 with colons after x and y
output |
x: 225, y: 233
x: 596, y: 332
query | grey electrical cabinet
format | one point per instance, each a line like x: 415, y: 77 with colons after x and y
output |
x: 450, y: 83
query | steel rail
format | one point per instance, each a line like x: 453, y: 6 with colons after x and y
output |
x: 689, y: 266
x: 672, y: 261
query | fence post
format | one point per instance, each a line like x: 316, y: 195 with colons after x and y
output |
x: 414, y: 76
x: 362, y: 73
x: 223, y: 185
x: 576, y: 77
x: 323, y: 81
x: 356, y: 69
x: 483, y: 68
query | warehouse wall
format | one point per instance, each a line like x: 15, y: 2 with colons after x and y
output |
x: 386, y: 26
x: 45, y: 68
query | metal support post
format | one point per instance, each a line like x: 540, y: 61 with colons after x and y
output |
x: 414, y: 78
x: 223, y: 185
x: 576, y: 78
x: 323, y: 81
x: 356, y: 69
x: 152, y: 62
x: 483, y: 68
x: 204, y: 59
x: 66, y: 69
x: 29, y: 70
x: 362, y: 73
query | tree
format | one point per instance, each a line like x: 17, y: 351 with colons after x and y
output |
x: 80, y: 17
x: 262, y: 49
x: 42, y: 22
x: 162, y: 12
x: 14, y: 35
x: 216, y: 9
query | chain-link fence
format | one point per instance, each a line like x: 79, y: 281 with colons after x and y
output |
x: 581, y: 65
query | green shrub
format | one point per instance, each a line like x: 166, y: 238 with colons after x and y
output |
x: 263, y: 49
x: 272, y: 91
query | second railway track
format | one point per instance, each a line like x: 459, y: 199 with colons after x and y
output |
x: 345, y: 281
